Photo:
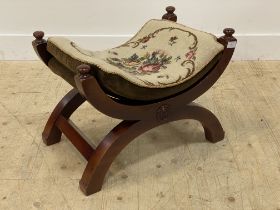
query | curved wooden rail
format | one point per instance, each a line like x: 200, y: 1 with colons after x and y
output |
x: 128, y: 130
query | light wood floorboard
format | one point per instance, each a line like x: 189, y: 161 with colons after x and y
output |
x: 171, y: 167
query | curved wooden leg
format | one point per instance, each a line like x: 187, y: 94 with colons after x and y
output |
x: 213, y: 129
x: 128, y: 130
x: 107, y: 151
x: 68, y: 104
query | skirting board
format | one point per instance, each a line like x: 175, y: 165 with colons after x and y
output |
x: 250, y: 46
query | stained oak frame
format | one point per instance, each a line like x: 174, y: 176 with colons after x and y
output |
x: 137, y: 118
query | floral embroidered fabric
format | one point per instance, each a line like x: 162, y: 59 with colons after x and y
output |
x: 162, y: 54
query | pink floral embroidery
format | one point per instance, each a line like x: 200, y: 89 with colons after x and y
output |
x: 191, y: 54
x: 150, y: 67
x: 154, y: 61
x: 146, y: 64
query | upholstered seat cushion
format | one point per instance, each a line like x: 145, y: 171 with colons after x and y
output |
x: 161, y: 57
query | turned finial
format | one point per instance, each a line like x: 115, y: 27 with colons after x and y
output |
x: 170, y: 14
x: 38, y: 35
x: 84, y: 71
x: 229, y: 32
x: 170, y: 9
x: 228, y: 40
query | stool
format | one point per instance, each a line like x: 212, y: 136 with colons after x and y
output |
x: 150, y: 80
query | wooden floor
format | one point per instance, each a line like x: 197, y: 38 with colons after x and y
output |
x: 171, y: 167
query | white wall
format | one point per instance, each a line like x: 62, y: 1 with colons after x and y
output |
x: 102, y: 24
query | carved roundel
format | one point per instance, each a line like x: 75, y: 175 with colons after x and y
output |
x: 162, y: 113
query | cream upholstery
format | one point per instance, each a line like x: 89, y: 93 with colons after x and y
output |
x: 162, y: 54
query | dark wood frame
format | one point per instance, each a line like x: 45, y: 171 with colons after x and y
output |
x: 137, y: 119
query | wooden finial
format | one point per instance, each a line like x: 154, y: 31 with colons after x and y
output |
x: 229, y: 32
x: 170, y: 9
x: 170, y: 14
x: 40, y: 46
x: 228, y: 40
x: 84, y: 71
x: 38, y: 35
